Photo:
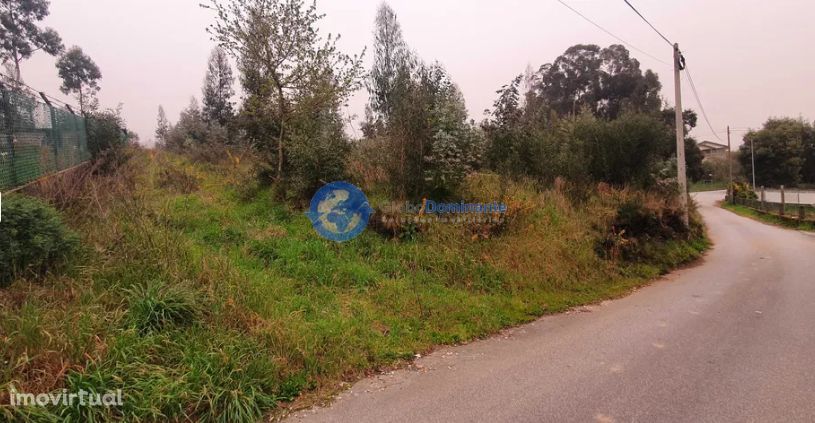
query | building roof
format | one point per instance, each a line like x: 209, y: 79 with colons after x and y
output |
x: 710, y: 145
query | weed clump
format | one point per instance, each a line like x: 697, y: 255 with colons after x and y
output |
x: 155, y: 306
x: 33, y: 239
x: 177, y: 180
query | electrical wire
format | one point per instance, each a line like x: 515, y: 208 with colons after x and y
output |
x: 59, y: 102
x: 649, y: 23
x: 699, y: 102
x: 633, y: 47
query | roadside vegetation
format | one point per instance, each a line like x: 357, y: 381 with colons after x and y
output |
x: 769, y: 218
x: 201, y: 302
x: 199, y: 287
x: 784, y: 153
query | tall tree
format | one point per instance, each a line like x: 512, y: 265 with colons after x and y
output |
x: 780, y: 147
x: 280, y: 52
x: 605, y: 81
x: 20, y: 36
x: 79, y: 75
x: 162, y: 127
x: 218, y: 89
x: 808, y: 171
x: 392, y: 64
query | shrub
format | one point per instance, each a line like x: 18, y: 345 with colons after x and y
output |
x: 743, y: 191
x: 154, y: 306
x: 638, y: 219
x: 106, y: 132
x: 33, y: 239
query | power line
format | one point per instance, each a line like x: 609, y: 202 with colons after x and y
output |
x: 649, y: 23
x: 36, y: 91
x: 633, y: 47
x: 699, y: 102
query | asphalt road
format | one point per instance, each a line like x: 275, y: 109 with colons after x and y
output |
x: 731, y: 339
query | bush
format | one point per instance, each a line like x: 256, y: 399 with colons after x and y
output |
x: 743, y: 191
x: 105, y: 132
x: 33, y: 239
x: 107, y: 139
x: 639, y: 220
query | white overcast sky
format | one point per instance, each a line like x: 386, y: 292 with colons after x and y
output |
x: 750, y: 59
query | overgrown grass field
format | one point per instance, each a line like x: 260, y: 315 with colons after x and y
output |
x: 203, y: 298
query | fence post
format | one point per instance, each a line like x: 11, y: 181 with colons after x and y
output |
x: 802, y: 212
x: 8, y: 122
x: 782, y: 200
x: 763, y: 200
x: 55, y: 137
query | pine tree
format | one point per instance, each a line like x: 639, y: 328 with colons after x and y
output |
x: 218, y: 89
x: 162, y: 127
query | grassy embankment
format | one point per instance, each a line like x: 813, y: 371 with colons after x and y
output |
x: 202, y: 299
x: 769, y: 218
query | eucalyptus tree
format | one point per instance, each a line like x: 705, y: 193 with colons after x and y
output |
x: 80, y: 76
x: 20, y: 34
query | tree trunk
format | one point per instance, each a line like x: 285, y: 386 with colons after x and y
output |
x: 282, y: 110
x: 15, y: 53
x: 17, y: 68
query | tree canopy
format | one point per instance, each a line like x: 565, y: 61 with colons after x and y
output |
x: 283, y: 59
x: 590, y: 115
x: 783, y: 152
x: 218, y: 89
x: 605, y: 81
x: 79, y: 75
x: 20, y: 34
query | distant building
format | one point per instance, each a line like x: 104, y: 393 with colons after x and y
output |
x: 712, y: 149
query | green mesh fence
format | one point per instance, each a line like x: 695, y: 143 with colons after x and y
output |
x: 37, y: 139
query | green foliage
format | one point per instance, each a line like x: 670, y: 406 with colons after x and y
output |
x: 283, y: 77
x: 20, y: 36
x: 318, y: 152
x: 743, y: 190
x: 162, y: 128
x: 622, y: 151
x: 590, y: 116
x: 605, y: 81
x: 419, y: 113
x: 107, y: 135
x: 718, y: 169
x: 783, y: 152
x: 770, y: 218
x: 643, y: 222
x: 190, y: 131
x: 281, y: 311
x: 693, y: 161
x: 33, y: 239
x: 155, y: 306
x: 218, y: 89
x: 79, y: 75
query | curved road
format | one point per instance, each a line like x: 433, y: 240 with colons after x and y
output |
x: 732, y: 339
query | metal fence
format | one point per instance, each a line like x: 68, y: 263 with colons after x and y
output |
x: 37, y: 138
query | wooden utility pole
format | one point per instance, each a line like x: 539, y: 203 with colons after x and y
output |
x: 729, y: 168
x: 681, y: 175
